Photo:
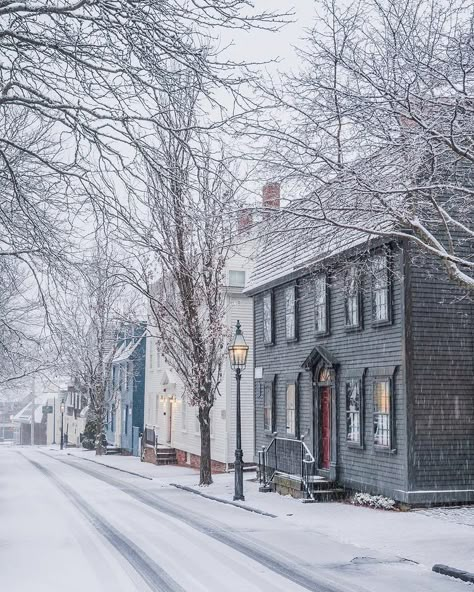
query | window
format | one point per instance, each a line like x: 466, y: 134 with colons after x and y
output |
x: 268, y: 407
x: 380, y: 289
x: 151, y: 345
x: 184, y: 410
x: 126, y: 419
x: 353, y: 410
x: 268, y: 318
x: 290, y: 312
x: 112, y: 420
x: 382, y: 428
x: 236, y: 278
x: 125, y: 376
x: 197, y: 427
x: 352, y: 296
x: 158, y: 355
x: 320, y: 304
x: 291, y: 409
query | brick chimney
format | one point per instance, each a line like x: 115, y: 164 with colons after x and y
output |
x: 271, y: 195
x: 245, y: 220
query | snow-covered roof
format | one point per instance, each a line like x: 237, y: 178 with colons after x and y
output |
x: 24, y: 416
x: 291, y: 244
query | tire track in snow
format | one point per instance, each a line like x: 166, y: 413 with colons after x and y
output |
x: 278, y: 565
x: 155, y: 577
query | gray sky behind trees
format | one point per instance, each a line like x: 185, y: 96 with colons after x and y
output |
x: 264, y: 45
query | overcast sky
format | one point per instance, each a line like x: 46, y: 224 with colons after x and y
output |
x: 258, y: 45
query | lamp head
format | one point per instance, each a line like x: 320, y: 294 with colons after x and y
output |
x: 238, y: 350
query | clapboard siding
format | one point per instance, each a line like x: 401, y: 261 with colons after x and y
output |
x: 442, y: 381
x: 185, y: 433
x: 370, y: 348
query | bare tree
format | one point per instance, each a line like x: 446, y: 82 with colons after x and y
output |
x: 81, y: 88
x: 91, y: 321
x: 183, y: 228
x: 93, y: 72
x: 26, y: 346
x: 376, y: 129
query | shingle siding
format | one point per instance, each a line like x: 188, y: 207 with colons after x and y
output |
x: 442, y: 352
x: 371, y: 347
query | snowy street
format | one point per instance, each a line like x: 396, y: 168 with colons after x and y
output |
x: 76, y: 525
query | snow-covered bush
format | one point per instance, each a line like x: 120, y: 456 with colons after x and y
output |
x: 373, y: 501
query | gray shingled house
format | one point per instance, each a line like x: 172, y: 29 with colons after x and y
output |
x: 363, y: 366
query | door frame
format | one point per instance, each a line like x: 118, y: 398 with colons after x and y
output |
x: 322, y: 389
x: 169, y: 420
x: 331, y: 472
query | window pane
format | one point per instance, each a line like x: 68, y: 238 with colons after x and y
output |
x: 267, y: 407
x: 382, y: 397
x: 291, y: 409
x: 320, y: 294
x: 184, y: 408
x: 382, y: 413
x: 353, y: 411
x: 380, y: 287
x: 352, y: 298
x: 290, y: 312
x: 267, y: 318
x: 353, y: 396
x: 236, y: 278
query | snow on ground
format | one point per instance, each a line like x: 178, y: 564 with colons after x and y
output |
x: 72, y: 524
x: 45, y: 545
x: 132, y: 464
x: 439, y: 535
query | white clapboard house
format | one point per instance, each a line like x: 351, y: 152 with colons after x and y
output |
x: 175, y: 421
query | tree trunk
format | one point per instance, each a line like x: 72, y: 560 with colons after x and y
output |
x: 205, y: 473
x: 100, y: 438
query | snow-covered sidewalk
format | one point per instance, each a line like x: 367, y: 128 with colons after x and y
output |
x: 425, y: 536
x: 131, y: 464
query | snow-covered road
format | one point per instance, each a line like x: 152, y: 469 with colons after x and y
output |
x: 67, y: 524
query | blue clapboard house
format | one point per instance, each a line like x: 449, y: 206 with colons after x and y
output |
x: 124, y: 417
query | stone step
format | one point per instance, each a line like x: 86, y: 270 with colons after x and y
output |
x: 113, y: 450
x: 166, y: 456
x: 329, y: 495
x: 321, y: 485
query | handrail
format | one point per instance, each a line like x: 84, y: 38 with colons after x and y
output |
x: 149, y: 439
x: 287, y: 456
x: 308, y: 452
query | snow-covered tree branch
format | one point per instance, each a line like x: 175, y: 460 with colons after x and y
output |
x: 376, y: 129
x: 184, y: 231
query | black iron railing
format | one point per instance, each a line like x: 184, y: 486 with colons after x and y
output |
x: 149, y: 439
x: 288, y: 457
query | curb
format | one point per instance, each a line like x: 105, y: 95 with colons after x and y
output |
x: 111, y: 467
x: 445, y: 570
x: 223, y: 501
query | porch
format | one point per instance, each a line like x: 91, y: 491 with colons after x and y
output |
x: 288, y: 467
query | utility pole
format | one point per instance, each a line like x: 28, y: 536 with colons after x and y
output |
x: 33, y: 386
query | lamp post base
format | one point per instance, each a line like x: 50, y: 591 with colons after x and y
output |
x: 238, y: 477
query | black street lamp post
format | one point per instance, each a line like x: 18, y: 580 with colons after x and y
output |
x: 61, y: 409
x: 238, y: 351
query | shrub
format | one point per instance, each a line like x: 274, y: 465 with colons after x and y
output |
x: 373, y: 501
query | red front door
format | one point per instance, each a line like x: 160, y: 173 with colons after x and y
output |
x: 325, y: 426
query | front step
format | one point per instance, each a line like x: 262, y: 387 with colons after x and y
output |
x: 113, y: 450
x: 324, y: 490
x: 166, y: 456
x: 329, y: 495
